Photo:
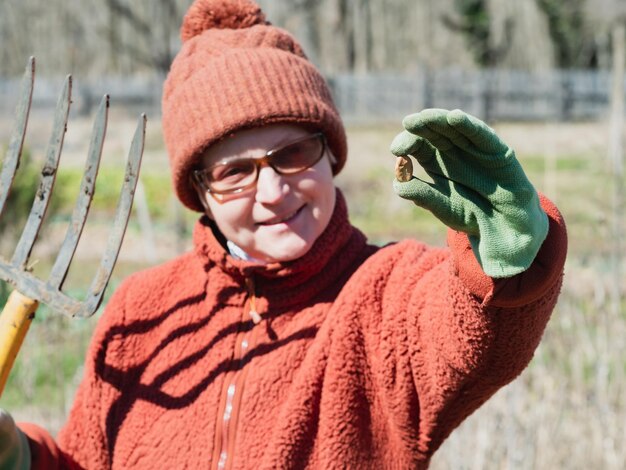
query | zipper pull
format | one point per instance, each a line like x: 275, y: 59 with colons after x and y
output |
x: 256, y: 316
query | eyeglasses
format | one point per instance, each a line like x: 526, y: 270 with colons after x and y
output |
x: 236, y: 175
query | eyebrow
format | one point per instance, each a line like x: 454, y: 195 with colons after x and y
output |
x: 278, y: 145
x: 234, y: 159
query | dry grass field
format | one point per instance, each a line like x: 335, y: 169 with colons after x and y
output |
x: 566, y: 411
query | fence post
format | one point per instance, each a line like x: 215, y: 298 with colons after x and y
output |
x: 616, y: 157
x: 567, y: 96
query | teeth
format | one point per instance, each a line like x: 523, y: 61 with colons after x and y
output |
x: 289, y: 216
x: 278, y: 221
x: 285, y: 218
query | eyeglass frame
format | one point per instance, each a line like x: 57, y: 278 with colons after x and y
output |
x: 260, y: 162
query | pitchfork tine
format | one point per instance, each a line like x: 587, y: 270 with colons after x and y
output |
x: 85, y: 196
x: 48, y: 176
x: 29, y: 291
x: 12, y: 158
x: 122, y: 213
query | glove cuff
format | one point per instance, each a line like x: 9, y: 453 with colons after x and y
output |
x: 517, y: 251
x: 15, y: 450
x: 529, y: 286
x: 23, y: 461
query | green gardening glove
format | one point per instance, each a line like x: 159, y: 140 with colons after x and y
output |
x: 478, y: 188
x: 14, y: 448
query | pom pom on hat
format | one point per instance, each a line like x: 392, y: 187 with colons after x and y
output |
x: 220, y: 14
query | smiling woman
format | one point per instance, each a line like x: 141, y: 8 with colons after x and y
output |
x: 285, y: 340
x: 275, y: 212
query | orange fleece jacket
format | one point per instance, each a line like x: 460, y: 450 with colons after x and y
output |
x: 365, y: 357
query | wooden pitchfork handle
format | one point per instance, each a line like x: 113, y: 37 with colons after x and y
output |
x: 30, y: 291
x: 15, y: 319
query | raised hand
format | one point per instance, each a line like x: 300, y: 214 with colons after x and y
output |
x: 478, y: 187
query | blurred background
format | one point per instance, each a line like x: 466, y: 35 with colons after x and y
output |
x: 548, y: 75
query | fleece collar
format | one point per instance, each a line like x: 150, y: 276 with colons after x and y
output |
x: 337, y: 248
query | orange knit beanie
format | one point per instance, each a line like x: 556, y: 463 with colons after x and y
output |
x: 235, y: 70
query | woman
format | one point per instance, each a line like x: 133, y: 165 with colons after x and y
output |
x: 285, y: 340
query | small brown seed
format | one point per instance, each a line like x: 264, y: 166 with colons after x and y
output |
x: 404, y: 169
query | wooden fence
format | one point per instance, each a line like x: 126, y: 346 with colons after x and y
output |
x: 493, y: 95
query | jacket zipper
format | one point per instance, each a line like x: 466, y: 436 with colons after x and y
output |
x: 233, y: 388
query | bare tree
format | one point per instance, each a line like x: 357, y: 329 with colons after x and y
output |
x: 142, y: 31
x: 93, y: 37
x: 609, y: 16
x: 474, y: 21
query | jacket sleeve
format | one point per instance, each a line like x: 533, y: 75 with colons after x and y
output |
x: 466, y: 334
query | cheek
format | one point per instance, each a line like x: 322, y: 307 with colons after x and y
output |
x: 321, y: 191
x: 327, y: 205
x: 231, y: 217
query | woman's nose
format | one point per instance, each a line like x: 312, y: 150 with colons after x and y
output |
x: 271, y: 186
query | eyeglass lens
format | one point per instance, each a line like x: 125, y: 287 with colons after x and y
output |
x: 290, y: 159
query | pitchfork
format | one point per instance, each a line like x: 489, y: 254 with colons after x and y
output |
x: 29, y: 291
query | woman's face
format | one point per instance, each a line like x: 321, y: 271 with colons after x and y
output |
x: 280, y: 217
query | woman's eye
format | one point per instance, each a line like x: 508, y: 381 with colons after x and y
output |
x: 231, y: 171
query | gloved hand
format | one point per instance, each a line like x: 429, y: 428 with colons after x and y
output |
x: 478, y: 188
x: 14, y: 448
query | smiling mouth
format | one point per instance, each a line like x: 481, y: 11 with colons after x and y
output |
x: 282, y: 219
